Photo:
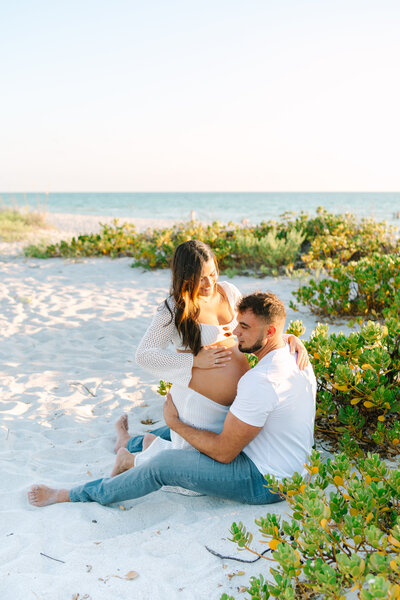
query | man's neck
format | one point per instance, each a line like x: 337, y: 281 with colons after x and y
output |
x: 271, y: 344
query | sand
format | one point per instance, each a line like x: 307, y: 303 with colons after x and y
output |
x: 69, y: 330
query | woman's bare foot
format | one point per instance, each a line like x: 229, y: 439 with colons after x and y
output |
x: 123, y: 436
x: 148, y: 440
x: 124, y: 461
x: 41, y: 495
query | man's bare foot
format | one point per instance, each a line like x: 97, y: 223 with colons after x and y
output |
x: 124, y: 461
x: 41, y: 495
x: 123, y: 436
x: 148, y: 440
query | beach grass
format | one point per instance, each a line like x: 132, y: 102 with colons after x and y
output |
x: 16, y: 224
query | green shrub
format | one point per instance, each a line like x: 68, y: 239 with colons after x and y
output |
x: 358, y: 397
x: 335, y: 239
x: 269, y: 252
x: 270, y: 247
x: 343, y: 535
x: 296, y: 328
x: 156, y: 247
x: 236, y: 249
x: 370, y: 287
x: 114, y: 240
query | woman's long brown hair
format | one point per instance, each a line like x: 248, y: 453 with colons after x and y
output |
x: 187, y: 264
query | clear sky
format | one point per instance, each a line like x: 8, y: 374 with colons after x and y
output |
x: 206, y: 95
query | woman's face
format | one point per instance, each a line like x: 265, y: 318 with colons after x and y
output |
x: 208, y: 278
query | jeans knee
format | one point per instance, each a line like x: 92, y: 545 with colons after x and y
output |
x: 161, y: 467
x: 157, y: 465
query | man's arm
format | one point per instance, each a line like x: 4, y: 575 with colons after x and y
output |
x: 222, y: 447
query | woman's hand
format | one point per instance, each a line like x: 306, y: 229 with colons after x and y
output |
x: 297, y: 346
x: 211, y: 357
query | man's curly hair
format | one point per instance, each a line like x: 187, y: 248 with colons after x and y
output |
x: 263, y: 304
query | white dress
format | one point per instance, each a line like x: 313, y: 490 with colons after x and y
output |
x: 153, y: 355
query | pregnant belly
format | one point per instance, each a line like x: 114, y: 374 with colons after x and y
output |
x: 220, y: 384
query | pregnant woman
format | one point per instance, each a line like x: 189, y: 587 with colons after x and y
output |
x: 198, y: 319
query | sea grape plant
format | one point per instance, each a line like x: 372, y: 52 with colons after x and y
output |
x: 358, y: 393
x: 343, y: 534
x: 368, y: 288
x: 292, y: 242
x: 340, y: 238
x: 296, y: 328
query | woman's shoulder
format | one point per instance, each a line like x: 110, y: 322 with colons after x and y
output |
x: 227, y: 285
x: 165, y: 310
x: 167, y: 304
x: 231, y: 290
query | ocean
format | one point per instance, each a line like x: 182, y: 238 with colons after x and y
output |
x: 224, y: 207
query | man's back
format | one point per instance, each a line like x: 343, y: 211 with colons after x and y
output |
x: 280, y: 398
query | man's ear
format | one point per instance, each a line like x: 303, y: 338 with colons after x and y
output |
x: 271, y: 330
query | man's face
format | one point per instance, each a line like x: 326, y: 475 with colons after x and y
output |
x: 251, y: 332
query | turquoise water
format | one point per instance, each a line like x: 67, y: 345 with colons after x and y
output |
x: 211, y: 206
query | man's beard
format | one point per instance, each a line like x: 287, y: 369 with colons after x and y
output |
x: 252, y: 349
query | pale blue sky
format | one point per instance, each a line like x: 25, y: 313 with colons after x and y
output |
x: 255, y: 95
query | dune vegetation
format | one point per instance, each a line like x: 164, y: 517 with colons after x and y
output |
x: 16, y: 225
x: 294, y: 242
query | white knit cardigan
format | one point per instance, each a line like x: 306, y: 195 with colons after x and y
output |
x: 154, y: 353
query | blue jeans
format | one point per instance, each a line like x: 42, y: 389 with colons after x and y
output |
x: 239, y: 480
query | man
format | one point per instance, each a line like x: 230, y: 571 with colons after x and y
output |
x: 268, y: 429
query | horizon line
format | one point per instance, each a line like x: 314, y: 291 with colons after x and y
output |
x: 206, y: 192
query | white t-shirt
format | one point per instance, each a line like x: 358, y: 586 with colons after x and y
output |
x: 280, y: 398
